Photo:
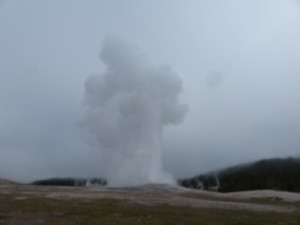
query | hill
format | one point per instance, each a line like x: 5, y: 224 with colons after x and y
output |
x: 275, y: 174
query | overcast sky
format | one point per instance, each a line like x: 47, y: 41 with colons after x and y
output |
x: 239, y: 62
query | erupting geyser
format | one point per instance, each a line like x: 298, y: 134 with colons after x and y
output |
x: 127, y: 107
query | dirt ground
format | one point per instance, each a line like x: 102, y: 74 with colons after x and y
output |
x: 153, y: 194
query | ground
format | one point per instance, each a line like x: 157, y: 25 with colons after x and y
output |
x: 147, y: 204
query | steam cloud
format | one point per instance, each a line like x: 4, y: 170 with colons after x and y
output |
x: 128, y: 106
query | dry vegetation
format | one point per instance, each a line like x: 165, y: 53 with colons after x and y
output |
x: 149, y: 204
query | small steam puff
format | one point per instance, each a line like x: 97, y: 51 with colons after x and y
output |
x: 127, y: 107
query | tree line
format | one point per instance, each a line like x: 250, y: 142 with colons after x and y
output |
x: 68, y: 181
x: 275, y: 174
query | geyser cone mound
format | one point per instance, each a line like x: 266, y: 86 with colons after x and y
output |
x: 127, y: 107
x: 159, y: 188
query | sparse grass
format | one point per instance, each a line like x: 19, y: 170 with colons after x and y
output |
x: 45, y: 211
x: 267, y: 200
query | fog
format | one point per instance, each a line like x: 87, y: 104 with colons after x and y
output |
x: 237, y: 63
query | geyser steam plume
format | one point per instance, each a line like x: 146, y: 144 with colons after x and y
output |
x: 127, y: 107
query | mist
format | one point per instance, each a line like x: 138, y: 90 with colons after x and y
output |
x: 238, y: 63
x: 128, y: 106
